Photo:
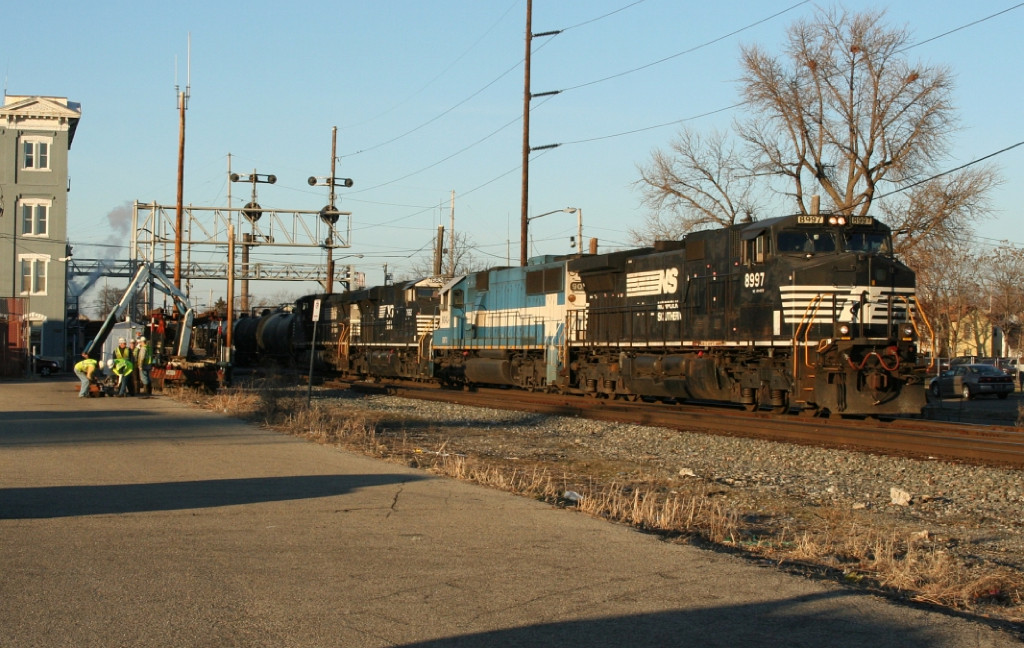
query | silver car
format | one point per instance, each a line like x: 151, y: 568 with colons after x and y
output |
x: 971, y: 380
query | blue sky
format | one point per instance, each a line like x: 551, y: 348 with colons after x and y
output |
x: 427, y: 99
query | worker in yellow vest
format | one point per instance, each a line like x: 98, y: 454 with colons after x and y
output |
x: 123, y: 368
x: 84, y: 369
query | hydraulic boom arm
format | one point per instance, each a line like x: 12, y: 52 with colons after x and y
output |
x: 147, y: 274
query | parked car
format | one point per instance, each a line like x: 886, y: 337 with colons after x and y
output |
x: 971, y: 380
x: 45, y: 367
x: 1009, y: 366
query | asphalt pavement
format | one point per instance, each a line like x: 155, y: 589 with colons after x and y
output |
x: 147, y: 522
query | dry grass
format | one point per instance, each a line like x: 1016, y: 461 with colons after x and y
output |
x: 832, y: 540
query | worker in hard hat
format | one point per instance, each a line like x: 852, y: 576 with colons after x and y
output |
x: 143, y: 361
x: 84, y: 369
x: 122, y: 368
x: 123, y: 352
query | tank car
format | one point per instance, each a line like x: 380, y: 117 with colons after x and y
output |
x: 807, y: 311
x: 269, y: 338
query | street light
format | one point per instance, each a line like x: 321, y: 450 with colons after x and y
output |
x: 579, y: 223
x: 328, y: 282
x: 579, y: 228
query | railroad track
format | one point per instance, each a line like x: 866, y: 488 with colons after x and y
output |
x: 990, y: 445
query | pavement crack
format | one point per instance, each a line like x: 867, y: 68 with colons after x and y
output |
x: 394, y: 500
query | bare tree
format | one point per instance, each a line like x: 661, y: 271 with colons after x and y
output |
x: 456, y: 258
x: 938, y: 209
x: 281, y: 297
x: 840, y: 113
x: 951, y: 293
x: 1002, y: 270
x: 700, y: 182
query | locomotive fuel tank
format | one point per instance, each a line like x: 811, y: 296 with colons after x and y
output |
x: 489, y: 371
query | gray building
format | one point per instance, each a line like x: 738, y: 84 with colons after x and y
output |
x: 35, y: 140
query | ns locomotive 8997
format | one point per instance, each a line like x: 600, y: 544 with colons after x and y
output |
x: 810, y: 311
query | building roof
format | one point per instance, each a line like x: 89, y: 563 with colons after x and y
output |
x: 35, y: 112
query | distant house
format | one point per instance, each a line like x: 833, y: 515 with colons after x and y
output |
x: 35, y: 140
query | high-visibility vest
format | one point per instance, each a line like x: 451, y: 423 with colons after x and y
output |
x: 143, y: 357
x: 122, y: 354
x: 123, y: 367
x: 85, y: 365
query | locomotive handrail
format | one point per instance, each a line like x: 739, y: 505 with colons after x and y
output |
x: 924, y: 318
x: 344, y: 340
x: 807, y: 332
x: 814, y: 303
x: 423, y: 346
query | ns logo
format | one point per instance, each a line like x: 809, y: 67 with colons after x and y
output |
x: 652, y: 282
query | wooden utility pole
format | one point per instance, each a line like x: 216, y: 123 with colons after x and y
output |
x: 182, y: 106
x: 228, y: 334
x: 451, y: 240
x: 524, y: 200
x: 438, y: 250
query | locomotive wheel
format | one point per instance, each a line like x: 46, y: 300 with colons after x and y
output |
x: 783, y: 406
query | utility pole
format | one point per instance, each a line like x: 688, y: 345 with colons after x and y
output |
x: 451, y: 240
x: 524, y: 198
x: 229, y: 333
x: 524, y: 221
x: 182, y: 106
x: 438, y: 250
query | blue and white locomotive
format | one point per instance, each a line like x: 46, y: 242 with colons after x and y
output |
x: 508, y: 326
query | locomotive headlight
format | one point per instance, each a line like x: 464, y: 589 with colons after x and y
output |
x: 837, y: 220
x: 908, y: 331
x: 844, y: 330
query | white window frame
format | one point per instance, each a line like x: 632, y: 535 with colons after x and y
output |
x: 39, y: 218
x: 35, y: 152
x: 37, y: 277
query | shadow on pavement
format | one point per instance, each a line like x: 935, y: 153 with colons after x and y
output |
x: 812, y: 620
x: 69, y: 501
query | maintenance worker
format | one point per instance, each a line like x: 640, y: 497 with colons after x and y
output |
x: 84, y: 369
x: 143, y: 361
x: 123, y: 352
x: 123, y: 368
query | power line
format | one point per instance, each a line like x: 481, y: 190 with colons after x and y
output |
x: 953, y: 31
x: 686, y: 51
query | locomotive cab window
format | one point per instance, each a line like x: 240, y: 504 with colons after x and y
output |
x: 754, y: 248
x: 806, y: 241
x: 867, y: 242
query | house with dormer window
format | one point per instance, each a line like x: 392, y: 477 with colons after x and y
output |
x: 35, y: 140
